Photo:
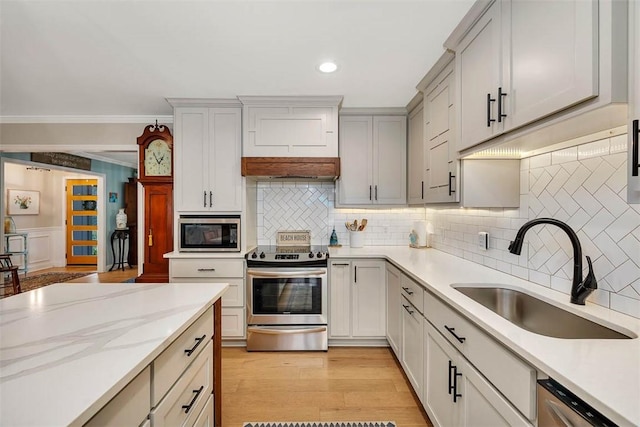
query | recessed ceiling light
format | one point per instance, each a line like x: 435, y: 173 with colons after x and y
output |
x: 327, y: 67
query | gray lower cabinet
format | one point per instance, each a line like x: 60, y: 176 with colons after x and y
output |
x: 456, y: 394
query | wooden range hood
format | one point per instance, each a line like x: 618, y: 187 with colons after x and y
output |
x: 292, y: 167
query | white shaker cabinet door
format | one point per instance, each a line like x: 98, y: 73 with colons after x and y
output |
x: 224, y: 176
x: 394, y: 316
x: 550, y: 57
x: 633, y: 188
x: 479, y: 61
x: 368, y: 299
x: 356, y: 154
x: 390, y: 160
x: 339, y: 299
x: 191, y: 139
x: 415, y: 158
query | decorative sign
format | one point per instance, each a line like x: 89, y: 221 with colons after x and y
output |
x: 293, y: 238
x: 62, y: 159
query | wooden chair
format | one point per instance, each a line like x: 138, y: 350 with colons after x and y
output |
x: 6, y: 266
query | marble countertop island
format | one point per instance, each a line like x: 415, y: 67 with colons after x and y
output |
x: 604, y: 373
x: 67, y: 349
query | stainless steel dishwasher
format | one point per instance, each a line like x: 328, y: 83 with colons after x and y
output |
x: 557, y: 406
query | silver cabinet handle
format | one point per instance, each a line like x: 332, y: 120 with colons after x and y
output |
x: 206, y: 269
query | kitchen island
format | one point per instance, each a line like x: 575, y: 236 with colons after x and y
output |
x: 604, y: 373
x: 67, y: 350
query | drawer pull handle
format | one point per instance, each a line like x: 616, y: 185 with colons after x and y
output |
x: 407, y: 290
x: 197, y: 392
x: 206, y: 269
x: 198, y: 342
x: 452, y: 331
x: 406, y: 307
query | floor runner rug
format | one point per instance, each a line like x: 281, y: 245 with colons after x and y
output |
x: 38, y: 281
x: 324, y: 424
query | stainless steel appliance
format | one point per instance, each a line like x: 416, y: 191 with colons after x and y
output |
x: 209, y: 233
x: 287, y: 298
x: 557, y: 406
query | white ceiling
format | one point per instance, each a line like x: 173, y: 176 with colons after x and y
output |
x: 124, y: 57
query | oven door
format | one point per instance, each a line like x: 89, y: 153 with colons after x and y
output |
x: 287, y: 296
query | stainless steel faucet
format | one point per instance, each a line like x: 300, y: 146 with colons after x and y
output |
x: 579, y: 290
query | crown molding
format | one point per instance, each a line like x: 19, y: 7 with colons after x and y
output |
x: 85, y: 119
x: 204, y: 102
x: 390, y: 111
x: 314, y: 101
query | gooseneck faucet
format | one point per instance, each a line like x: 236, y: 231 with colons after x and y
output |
x: 579, y: 290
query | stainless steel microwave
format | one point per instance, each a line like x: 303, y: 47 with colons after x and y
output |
x: 209, y: 233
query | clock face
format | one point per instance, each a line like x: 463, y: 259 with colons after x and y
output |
x: 157, y: 159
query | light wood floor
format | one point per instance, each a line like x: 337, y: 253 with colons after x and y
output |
x: 343, y: 384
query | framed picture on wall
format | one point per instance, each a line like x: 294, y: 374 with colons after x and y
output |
x: 23, y: 202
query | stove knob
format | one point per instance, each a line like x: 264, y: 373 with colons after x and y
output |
x: 254, y: 255
x: 262, y: 255
x: 319, y: 255
x: 310, y: 254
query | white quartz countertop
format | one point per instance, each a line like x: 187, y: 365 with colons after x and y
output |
x: 604, y: 373
x: 67, y: 349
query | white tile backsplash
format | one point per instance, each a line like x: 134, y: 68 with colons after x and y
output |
x: 586, y: 190
x: 584, y: 186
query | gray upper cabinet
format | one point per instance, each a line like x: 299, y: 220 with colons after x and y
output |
x: 633, y: 187
x: 373, y: 157
x: 521, y: 63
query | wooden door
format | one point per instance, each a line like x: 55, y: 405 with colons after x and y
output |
x: 223, y: 162
x: 415, y: 164
x: 82, y: 221
x: 191, y: 133
x: 158, y: 231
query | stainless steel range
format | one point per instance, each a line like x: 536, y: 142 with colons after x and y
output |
x: 287, y: 298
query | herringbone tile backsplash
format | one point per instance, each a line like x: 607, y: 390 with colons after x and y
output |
x: 584, y: 186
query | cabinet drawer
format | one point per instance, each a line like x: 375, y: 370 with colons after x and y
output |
x: 174, y: 360
x: 182, y: 405
x: 207, y: 267
x: 413, y: 293
x: 129, y: 407
x: 234, y: 295
x: 514, y: 378
x: 206, y: 419
x: 448, y: 322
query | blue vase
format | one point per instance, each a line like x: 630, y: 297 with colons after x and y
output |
x: 333, y: 240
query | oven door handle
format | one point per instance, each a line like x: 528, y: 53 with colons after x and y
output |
x: 305, y: 273
x: 266, y: 331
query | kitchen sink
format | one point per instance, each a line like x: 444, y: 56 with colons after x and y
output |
x: 535, y: 315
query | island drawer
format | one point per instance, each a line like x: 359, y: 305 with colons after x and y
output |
x: 413, y: 293
x: 129, y: 407
x: 512, y: 376
x: 206, y: 267
x: 172, y: 362
x: 184, y: 402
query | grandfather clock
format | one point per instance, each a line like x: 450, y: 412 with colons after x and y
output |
x: 156, y: 176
